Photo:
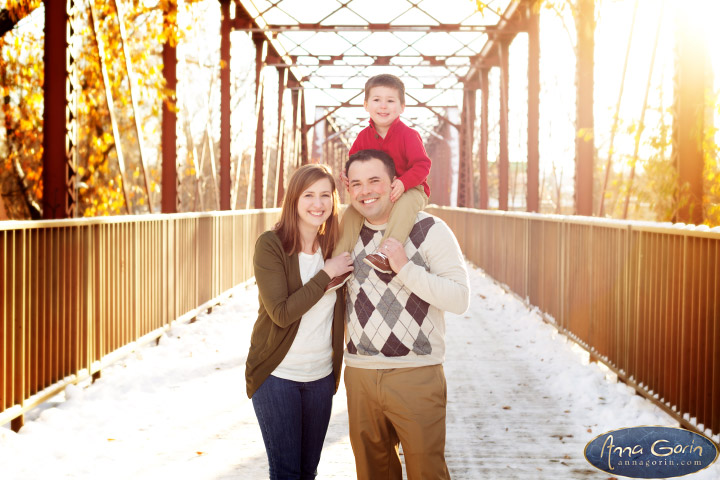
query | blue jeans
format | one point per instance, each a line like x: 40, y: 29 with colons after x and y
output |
x: 294, y: 418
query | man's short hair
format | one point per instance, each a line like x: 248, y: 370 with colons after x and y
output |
x: 386, y: 80
x: 370, y: 154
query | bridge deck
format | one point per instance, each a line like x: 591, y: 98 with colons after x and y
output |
x: 522, y: 404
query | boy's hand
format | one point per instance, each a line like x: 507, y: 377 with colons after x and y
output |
x: 397, y: 189
x: 344, y: 180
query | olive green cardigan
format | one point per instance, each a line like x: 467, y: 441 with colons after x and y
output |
x: 283, y: 301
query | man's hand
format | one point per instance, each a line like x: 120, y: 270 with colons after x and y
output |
x: 395, y: 252
x: 397, y: 189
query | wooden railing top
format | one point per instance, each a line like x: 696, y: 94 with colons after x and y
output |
x: 72, y: 222
x: 638, y: 225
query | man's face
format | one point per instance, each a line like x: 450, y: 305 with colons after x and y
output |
x: 370, y: 190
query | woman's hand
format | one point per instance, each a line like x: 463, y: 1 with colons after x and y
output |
x: 338, y: 265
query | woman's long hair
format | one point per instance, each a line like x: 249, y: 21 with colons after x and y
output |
x: 288, y: 227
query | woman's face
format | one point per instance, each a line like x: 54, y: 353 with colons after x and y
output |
x: 315, y: 204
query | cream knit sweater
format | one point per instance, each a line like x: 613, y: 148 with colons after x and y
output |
x: 397, y: 321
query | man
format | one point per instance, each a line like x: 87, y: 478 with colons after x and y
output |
x: 395, y: 332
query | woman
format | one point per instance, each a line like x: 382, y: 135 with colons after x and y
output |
x: 296, y: 347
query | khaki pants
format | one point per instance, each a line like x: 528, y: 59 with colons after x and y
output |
x: 400, y: 223
x: 405, y: 405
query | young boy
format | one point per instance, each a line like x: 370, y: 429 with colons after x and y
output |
x: 385, y: 101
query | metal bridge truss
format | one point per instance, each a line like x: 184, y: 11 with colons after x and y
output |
x: 327, y: 52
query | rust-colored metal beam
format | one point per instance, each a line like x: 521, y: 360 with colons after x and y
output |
x: 304, y: 151
x: 242, y: 24
x: 350, y: 60
x: 169, y: 120
x: 504, y: 160
x: 242, y: 17
x: 510, y: 24
x: 438, y: 148
x: 360, y: 105
x: 260, y: 50
x: 59, y: 142
x: 465, y: 168
x: 484, y: 129
x: 295, y: 100
x: 334, y: 109
x: 533, y: 112
x: 281, y: 147
x: 584, y: 123
x: 225, y: 105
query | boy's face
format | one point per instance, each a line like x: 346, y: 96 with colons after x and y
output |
x: 384, y: 105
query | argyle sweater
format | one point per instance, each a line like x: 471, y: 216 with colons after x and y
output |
x: 397, y: 321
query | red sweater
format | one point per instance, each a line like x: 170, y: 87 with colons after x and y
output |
x: 405, y: 147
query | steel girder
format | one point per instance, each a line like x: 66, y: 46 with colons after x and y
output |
x: 169, y: 122
x: 334, y: 47
x: 59, y: 116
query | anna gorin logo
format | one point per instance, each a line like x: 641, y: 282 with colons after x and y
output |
x: 651, y: 452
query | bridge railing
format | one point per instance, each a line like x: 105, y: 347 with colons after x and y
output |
x: 76, y: 295
x: 643, y: 298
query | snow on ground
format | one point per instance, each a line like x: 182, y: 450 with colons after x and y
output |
x: 523, y: 402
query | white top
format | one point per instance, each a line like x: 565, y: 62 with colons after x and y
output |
x: 310, y: 355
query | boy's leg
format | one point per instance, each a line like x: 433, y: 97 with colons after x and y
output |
x: 350, y: 225
x: 403, y: 213
x: 400, y: 224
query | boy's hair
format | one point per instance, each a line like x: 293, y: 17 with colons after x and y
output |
x: 288, y: 229
x: 386, y: 80
x: 370, y: 154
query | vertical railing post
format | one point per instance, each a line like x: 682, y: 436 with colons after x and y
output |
x: 504, y: 160
x: 59, y: 125
x: 533, y: 152
x: 465, y: 197
x: 280, y: 172
x: 18, y: 322
x: 98, y: 301
x: 584, y: 124
x: 225, y: 106
x: 484, y: 130
x: 169, y: 117
x: 260, y: 48
x: 304, y: 153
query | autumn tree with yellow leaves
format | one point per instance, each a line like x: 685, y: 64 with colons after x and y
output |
x: 100, y: 186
